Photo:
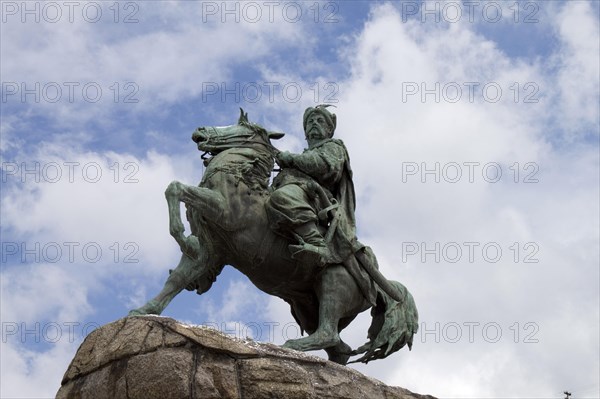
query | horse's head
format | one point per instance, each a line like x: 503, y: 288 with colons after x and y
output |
x: 213, y: 140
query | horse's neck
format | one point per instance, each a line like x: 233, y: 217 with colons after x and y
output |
x: 248, y: 165
x: 241, y: 177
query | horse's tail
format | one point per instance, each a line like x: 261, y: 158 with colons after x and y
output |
x: 393, y: 326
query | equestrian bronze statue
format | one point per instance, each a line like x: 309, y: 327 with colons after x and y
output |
x: 295, y: 239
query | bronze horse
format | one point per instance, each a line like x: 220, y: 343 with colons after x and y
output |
x: 229, y: 226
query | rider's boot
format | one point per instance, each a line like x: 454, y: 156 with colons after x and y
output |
x: 312, y: 247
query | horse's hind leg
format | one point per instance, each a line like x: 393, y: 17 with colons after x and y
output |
x: 188, y: 271
x: 339, y: 353
x: 339, y: 297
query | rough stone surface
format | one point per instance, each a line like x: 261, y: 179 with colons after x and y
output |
x: 157, y: 357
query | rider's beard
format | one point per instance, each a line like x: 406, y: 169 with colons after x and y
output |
x: 315, y: 135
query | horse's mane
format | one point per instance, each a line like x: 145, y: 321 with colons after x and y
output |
x: 254, y: 171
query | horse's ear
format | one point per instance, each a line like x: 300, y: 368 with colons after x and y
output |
x: 243, y: 117
x: 275, y: 135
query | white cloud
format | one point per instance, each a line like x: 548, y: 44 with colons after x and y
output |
x: 54, y: 221
x: 577, y: 83
x: 169, y: 56
x: 43, y: 311
x: 559, y: 213
x: 239, y: 300
x: 90, y: 197
x: 43, y: 292
x: 31, y: 373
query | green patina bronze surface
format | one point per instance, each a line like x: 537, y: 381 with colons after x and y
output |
x: 295, y: 239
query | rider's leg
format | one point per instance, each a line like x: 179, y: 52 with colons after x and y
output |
x: 289, y: 206
x: 312, y: 244
x: 291, y: 213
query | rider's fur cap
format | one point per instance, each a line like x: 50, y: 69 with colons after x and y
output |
x: 322, y: 109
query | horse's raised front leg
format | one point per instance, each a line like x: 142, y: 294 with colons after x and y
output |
x: 208, y: 203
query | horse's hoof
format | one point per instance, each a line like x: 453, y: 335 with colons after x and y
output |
x: 149, y: 308
x: 135, y: 312
x: 339, y: 358
x: 291, y: 344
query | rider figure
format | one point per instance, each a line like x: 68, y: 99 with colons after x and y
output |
x: 311, y: 187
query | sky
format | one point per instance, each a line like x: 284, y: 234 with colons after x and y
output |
x: 473, y: 132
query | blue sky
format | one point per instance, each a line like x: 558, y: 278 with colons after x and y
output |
x: 472, y: 90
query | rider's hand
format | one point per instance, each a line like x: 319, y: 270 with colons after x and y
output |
x: 285, y: 159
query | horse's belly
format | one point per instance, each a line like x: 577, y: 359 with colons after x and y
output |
x: 283, y: 279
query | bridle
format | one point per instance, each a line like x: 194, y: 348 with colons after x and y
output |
x: 216, y: 139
